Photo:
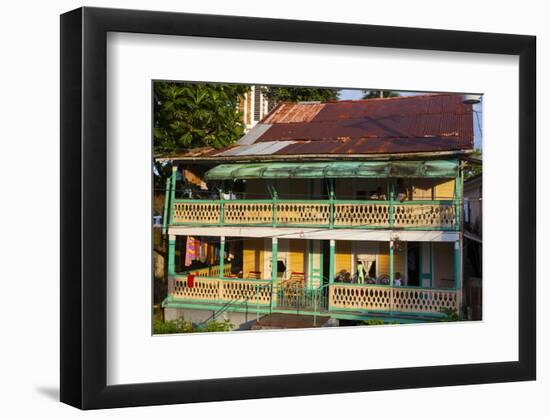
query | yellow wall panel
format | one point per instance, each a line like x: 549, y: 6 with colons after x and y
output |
x: 443, y: 259
x: 253, y: 256
x: 343, y: 256
x: 297, y: 255
x: 422, y: 189
x: 445, y: 190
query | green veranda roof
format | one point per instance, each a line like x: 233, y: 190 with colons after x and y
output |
x: 395, y: 169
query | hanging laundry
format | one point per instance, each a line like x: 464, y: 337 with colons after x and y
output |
x: 190, y: 250
x: 190, y: 281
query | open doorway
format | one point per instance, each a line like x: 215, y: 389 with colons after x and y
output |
x: 413, y: 264
x: 325, y: 250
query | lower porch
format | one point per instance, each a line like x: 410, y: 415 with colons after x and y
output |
x: 358, y: 280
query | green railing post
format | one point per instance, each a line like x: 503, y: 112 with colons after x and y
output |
x: 331, y: 208
x: 222, y: 255
x: 171, y: 255
x: 274, y: 256
x: 391, y: 263
x: 222, y: 208
x: 392, y: 208
x: 173, y: 193
x: 274, y: 202
x: 332, y: 265
x: 166, y: 205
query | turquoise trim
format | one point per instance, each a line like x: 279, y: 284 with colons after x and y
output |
x: 167, y: 205
x: 332, y: 261
x: 391, y: 264
x: 222, y: 255
x: 173, y: 193
x: 171, y: 255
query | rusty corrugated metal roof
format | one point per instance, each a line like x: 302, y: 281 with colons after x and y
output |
x: 412, y: 124
x: 437, y: 122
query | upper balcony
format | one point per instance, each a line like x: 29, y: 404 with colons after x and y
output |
x: 332, y: 214
x: 422, y: 195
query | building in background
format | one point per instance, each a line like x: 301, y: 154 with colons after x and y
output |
x: 331, y: 212
x: 254, y: 107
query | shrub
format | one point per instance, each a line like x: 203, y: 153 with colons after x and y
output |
x: 450, y: 314
x: 181, y: 325
x: 372, y: 322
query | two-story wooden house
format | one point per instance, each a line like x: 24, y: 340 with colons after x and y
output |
x: 349, y: 210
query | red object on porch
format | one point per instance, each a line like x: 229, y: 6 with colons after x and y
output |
x: 190, y: 281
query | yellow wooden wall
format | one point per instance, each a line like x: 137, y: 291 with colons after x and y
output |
x: 426, y: 189
x: 253, y: 256
x: 445, y: 190
x: 343, y: 256
x: 297, y: 255
x: 423, y: 189
x: 443, y: 260
x: 399, y: 258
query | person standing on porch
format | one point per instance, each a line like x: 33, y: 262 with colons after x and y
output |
x: 360, y: 273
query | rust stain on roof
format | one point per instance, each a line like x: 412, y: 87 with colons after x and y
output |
x: 293, y: 113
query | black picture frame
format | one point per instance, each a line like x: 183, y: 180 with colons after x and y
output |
x: 84, y: 207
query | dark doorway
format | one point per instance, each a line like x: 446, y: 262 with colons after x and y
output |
x: 413, y: 264
x: 325, y: 250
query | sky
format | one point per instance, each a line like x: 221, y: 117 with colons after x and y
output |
x: 478, y: 111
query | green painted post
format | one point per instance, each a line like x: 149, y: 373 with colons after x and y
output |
x: 173, y: 193
x: 171, y: 255
x: 274, y: 256
x: 458, y: 199
x: 332, y: 260
x: 166, y: 205
x: 222, y: 255
x: 274, y: 202
x: 392, y: 197
x: 331, y: 205
x: 222, y: 208
x: 391, y: 263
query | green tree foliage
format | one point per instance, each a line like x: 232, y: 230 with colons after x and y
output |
x: 278, y: 94
x: 368, y: 94
x: 190, y: 115
x: 472, y: 167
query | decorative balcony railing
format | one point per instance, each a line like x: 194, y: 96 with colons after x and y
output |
x: 422, y: 215
x: 220, y: 290
x: 336, y: 297
x: 385, y: 298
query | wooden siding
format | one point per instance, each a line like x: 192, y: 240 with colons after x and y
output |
x: 296, y: 257
x: 343, y: 256
x: 443, y: 260
x: 253, y: 256
x: 445, y: 190
x: 423, y: 189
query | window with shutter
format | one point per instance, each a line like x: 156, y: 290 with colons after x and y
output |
x: 257, y: 102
